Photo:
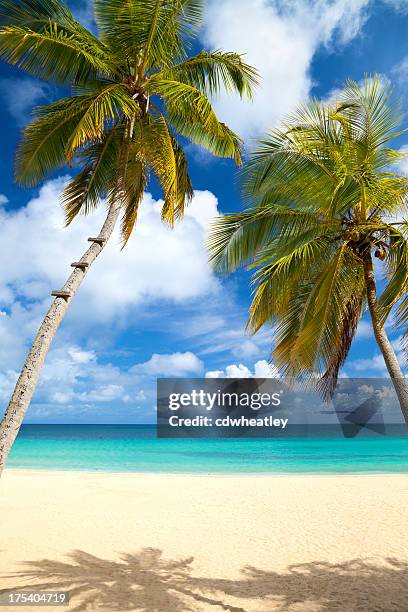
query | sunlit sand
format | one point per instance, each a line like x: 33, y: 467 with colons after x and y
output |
x: 181, y: 542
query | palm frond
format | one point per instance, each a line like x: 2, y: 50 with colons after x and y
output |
x: 97, y: 179
x: 44, y: 39
x: 190, y: 114
x: 140, y: 53
x: 348, y: 326
x: 309, y: 335
x: 155, y: 32
x: 136, y: 181
x: 100, y: 109
x: 280, y: 268
x: 373, y: 112
x: 321, y: 189
x: 184, y: 185
x: 153, y: 144
x: 236, y: 239
x: 61, y: 128
x: 397, y: 273
x: 33, y: 13
x: 212, y: 72
x: 43, y: 147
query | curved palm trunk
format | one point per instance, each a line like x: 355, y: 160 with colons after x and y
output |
x: 400, y: 383
x: 30, y: 373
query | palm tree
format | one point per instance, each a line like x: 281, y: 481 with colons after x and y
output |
x: 325, y: 198
x: 135, y: 91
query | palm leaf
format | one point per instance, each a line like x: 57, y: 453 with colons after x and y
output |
x: 236, y: 239
x: 139, y: 55
x: 43, y: 147
x: 44, y: 39
x: 212, y: 72
x: 136, y: 180
x: 397, y: 272
x: 154, y: 31
x: 320, y: 191
x: 96, y: 180
x: 190, y: 113
x: 110, y: 101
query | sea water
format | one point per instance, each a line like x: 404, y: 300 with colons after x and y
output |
x: 136, y: 448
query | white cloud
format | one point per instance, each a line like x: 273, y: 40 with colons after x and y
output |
x: 79, y: 356
x: 403, y: 164
x: 123, y: 287
x: 245, y: 349
x: 376, y: 363
x: 175, y: 364
x: 397, y: 344
x: 262, y: 369
x: 398, y: 5
x: 103, y: 393
x: 18, y: 324
x: 75, y: 382
x: 8, y: 379
x: 158, y: 263
x: 121, y: 291
x: 231, y: 371
x: 364, y: 330
x: 280, y: 38
x: 400, y: 74
x: 402, y: 168
x: 3, y: 199
x: 20, y: 95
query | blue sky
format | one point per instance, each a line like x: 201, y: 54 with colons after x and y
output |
x: 156, y: 309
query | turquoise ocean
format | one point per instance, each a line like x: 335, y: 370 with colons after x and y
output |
x: 136, y: 448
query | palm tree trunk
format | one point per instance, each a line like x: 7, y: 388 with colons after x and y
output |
x: 400, y: 383
x: 30, y: 373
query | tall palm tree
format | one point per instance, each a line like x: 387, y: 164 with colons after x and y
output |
x: 135, y: 90
x: 325, y: 199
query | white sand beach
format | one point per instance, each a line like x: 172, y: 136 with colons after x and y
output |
x: 185, y: 543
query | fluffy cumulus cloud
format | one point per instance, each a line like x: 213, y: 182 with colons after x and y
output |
x: 175, y: 364
x: 159, y: 266
x: 158, y: 262
x: 280, y: 38
x: 262, y: 369
x: 161, y: 273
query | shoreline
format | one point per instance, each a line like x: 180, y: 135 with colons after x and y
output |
x: 42, y: 471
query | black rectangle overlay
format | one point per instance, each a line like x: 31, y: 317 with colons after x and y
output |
x: 276, y: 407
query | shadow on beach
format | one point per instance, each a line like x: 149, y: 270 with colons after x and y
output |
x: 147, y: 582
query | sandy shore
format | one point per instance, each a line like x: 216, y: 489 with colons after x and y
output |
x: 177, y: 543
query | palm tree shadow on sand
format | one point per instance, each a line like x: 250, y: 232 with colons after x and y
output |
x: 147, y: 582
